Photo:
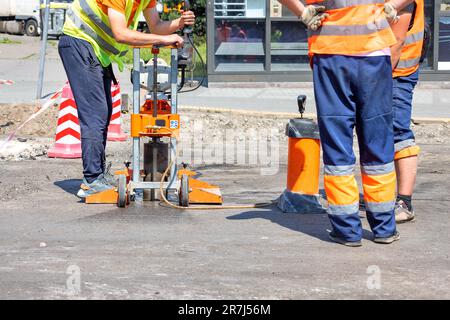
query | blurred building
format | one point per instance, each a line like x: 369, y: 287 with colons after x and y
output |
x: 259, y: 40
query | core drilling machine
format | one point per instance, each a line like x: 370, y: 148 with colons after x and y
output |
x: 157, y: 122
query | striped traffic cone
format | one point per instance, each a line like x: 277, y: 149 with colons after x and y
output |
x: 115, y: 132
x: 68, y: 137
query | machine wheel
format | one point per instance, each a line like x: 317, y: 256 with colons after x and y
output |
x: 184, y: 191
x: 122, y: 199
x: 31, y: 28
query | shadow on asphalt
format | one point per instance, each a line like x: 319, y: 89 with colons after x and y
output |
x: 70, y: 185
x: 314, y: 225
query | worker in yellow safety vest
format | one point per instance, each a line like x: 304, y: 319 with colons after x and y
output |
x: 406, y: 55
x: 349, y: 45
x: 96, y: 34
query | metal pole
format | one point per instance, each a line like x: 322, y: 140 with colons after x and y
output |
x: 155, y: 140
x: 136, y: 106
x: 43, y: 49
x: 174, y: 109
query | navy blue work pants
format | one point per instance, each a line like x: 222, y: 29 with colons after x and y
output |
x: 91, y: 87
x: 356, y: 93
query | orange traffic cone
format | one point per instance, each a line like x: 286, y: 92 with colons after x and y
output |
x: 115, y: 132
x: 68, y: 137
x: 302, y: 189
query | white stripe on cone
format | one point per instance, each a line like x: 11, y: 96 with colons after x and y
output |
x: 68, y: 124
x: 68, y: 139
x: 114, y: 130
x: 67, y: 146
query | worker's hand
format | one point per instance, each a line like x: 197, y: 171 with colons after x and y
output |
x: 173, y: 40
x: 390, y: 11
x: 313, y: 16
x: 187, y: 19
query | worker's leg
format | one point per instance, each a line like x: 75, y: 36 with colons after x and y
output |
x: 86, y: 78
x: 334, y: 78
x: 406, y: 150
x: 376, y: 143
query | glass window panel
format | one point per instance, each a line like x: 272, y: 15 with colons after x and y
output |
x: 444, y: 43
x: 289, y: 46
x: 277, y: 10
x: 240, y: 8
x: 427, y: 64
x: 239, y: 45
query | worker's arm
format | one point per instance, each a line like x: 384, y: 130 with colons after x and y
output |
x: 392, y: 7
x: 159, y: 26
x: 399, y: 29
x: 311, y: 15
x: 124, y: 35
x: 295, y: 6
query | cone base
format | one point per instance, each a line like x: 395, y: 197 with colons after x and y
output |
x: 121, y: 136
x: 65, y: 151
x: 291, y: 202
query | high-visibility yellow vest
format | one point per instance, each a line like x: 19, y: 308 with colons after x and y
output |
x: 412, y: 48
x: 352, y: 27
x: 85, y: 20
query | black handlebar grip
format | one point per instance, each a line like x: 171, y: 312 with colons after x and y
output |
x: 301, y: 102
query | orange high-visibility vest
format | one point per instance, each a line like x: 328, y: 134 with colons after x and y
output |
x: 353, y: 27
x: 412, y: 48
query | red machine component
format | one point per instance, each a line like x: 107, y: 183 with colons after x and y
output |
x: 163, y: 107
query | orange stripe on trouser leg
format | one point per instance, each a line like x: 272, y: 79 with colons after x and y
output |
x: 379, y: 188
x: 341, y: 190
x: 407, y: 152
x: 303, y: 166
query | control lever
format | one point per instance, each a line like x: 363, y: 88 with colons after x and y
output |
x: 185, y: 54
x: 301, y: 102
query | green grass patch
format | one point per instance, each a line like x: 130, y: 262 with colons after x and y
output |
x: 165, y: 54
x: 9, y: 41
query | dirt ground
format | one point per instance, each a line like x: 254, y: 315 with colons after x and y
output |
x: 212, y: 121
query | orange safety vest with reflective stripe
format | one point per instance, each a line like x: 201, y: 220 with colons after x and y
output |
x: 352, y: 27
x: 412, y: 48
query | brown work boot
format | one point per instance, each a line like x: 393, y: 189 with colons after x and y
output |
x: 402, y: 213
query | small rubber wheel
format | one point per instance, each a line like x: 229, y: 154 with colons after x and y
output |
x: 122, y: 199
x: 31, y: 28
x: 184, y: 191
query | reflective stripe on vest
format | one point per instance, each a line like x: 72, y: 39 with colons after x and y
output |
x: 333, y: 30
x: 94, y: 35
x: 339, y: 4
x: 408, y: 63
x: 95, y: 19
x: 412, y: 47
x: 352, y: 27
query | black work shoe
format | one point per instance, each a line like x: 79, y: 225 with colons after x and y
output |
x: 344, y: 242
x: 388, y: 240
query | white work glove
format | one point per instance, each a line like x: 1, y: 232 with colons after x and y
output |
x: 312, y: 16
x: 390, y: 11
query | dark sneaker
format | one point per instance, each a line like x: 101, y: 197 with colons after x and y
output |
x: 98, y: 185
x: 344, y: 242
x: 388, y: 240
x: 402, y: 213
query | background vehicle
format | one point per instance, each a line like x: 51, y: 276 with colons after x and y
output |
x: 23, y: 17
x: 19, y: 17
